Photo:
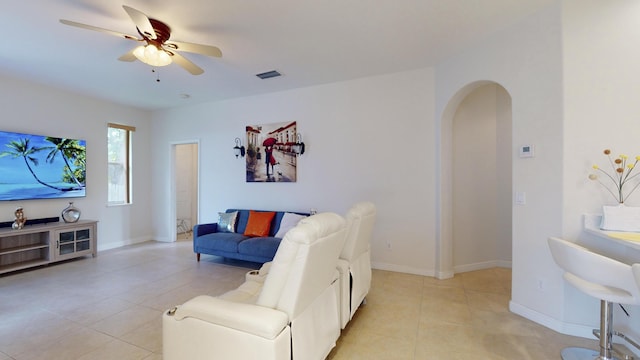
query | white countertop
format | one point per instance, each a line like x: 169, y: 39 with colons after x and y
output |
x: 592, y: 226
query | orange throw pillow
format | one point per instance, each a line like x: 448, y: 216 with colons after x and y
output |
x: 259, y: 223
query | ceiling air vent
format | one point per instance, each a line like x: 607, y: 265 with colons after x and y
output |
x: 268, y: 74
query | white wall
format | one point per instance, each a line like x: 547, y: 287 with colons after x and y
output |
x: 369, y: 139
x: 482, y: 180
x: 601, y: 87
x: 504, y: 192
x: 572, y: 72
x: 526, y: 59
x: 36, y: 109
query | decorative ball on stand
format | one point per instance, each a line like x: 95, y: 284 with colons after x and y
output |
x: 20, y: 219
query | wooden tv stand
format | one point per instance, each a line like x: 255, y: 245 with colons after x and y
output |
x: 41, y: 244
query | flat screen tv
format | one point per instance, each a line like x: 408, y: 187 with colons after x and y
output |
x: 41, y: 167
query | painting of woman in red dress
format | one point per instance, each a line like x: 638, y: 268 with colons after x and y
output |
x: 280, y: 162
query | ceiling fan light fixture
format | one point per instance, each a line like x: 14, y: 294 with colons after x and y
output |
x: 151, y: 55
x: 156, y: 51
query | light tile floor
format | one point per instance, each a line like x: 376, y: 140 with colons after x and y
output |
x: 466, y: 317
x: 110, y: 307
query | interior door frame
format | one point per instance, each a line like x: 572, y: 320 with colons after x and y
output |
x: 173, y: 191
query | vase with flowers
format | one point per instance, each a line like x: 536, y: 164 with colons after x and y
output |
x: 621, y: 183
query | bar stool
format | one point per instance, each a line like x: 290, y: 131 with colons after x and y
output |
x: 599, y: 276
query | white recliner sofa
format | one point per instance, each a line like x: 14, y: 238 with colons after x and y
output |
x: 354, y: 264
x: 293, y: 314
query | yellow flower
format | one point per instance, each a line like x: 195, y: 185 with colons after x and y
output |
x: 623, y: 177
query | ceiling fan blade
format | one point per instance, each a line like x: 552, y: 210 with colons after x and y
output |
x: 186, y: 64
x: 95, y: 28
x: 128, y: 56
x: 141, y: 20
x: 194, y: 48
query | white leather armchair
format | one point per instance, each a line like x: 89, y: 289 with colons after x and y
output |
x: 293, y: 314
x: 354, y: 264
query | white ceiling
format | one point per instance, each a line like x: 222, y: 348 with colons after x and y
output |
x: 309, y: 42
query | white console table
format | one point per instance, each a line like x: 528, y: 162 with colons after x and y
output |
x: 41, y: 244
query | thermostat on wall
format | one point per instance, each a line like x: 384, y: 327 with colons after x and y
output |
x: 526, y: 151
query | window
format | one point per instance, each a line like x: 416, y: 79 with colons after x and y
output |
x: 119, y: 157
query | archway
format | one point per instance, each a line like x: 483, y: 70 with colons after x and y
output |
x: 490, y: 216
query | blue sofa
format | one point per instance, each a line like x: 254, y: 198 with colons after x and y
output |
x: 207, y: 239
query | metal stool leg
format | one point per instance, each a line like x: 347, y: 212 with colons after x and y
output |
x: 606, y: 330
x: 605, y: 335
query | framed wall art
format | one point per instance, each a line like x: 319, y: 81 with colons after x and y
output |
x: 270, y: 152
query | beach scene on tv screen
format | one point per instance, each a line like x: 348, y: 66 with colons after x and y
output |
x: 41, y: 167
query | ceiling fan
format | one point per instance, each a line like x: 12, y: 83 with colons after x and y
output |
x: 158, y: 50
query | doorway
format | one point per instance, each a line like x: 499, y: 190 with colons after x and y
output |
x: 186, y: 189
x: 475, y: 226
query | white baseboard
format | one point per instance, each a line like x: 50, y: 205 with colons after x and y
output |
x: 441, y: 274
x: 504, y: 264
x: 564, y: 328
x: 402, y: 269
x: 482, y: 266
x: 117, y: 244
x: 551, y: 323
